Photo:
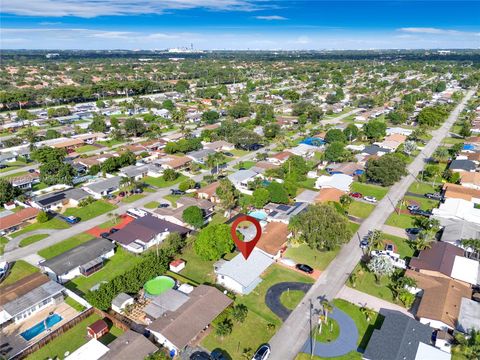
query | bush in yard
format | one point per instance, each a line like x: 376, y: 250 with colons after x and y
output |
x: 186, y: 185
x: 170, y: 175
x: 239, y: 313
x: 86, y: 201
x: 42, y: 217
x: 224, y: 328
x: 193, y: 215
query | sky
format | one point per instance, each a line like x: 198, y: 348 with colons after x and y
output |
x: 240, y: 24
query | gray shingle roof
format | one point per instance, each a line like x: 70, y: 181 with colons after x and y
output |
x: 78, y: 256
x: 398, y: 338
x: 467, y: 165
x: 53, y: 198
x: 105, y: 185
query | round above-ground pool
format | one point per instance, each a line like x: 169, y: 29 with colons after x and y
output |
x: 158, y: 285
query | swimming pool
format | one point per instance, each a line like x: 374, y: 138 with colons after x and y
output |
x: 258, y: 214
x: 37, y: 329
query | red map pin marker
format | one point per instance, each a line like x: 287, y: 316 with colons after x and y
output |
x: 246, y: 247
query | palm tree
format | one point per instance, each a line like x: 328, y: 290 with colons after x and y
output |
x: 368, y: 313
x: 352, y: 278
x: 375, y: 241
x: 327, y: 308
x: 321, y: 320
x: 472, y: 248
x: 423, y: 241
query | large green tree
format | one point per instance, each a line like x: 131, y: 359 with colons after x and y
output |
x: 386, y: 170
x: 321, y: 226
x: 7, y: 191
x: 193, y: 215
x: 213, y: 242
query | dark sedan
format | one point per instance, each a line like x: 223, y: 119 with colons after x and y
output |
x: 305, y: 268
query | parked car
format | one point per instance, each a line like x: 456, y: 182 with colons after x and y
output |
x: 434, y: 196
x: 389, y: 247
x: 177, y: 192
x: 364, y: 243
x: 163, y: 205
x: 200, y: 355
x: 113, y: 230
x: 121, y: 194
x: 71, y: 219
x: 226, y: 153
x: 413, y: 231
x: 217, y: 354
x: 31, y: 171
x: 356, y: 195
x: 197, y: 185
x: 421, y: 212
x: 105, y: 235
x: 305, y: 268
x: 138, y: 191
x: 371, y: 199
x: 242, y: 168
x: 413, y: 207
x: 262, y: 353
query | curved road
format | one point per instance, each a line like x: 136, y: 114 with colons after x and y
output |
x: 272, y: 297
x: 291, y: 337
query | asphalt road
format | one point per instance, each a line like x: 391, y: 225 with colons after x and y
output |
x: 291, y: 337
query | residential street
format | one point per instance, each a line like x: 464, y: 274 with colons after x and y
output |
x: 291, y: 337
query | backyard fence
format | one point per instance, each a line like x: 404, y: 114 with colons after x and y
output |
x: 57, y: 332
x: 115, y: 321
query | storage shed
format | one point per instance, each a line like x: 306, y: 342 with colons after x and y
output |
x: 97, y: 329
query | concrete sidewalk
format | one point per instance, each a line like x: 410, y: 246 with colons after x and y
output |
x: 361, y: 299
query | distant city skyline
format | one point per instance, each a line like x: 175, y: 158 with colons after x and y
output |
x: 240, y: 24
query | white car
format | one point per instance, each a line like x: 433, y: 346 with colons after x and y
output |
x: 371, y: 199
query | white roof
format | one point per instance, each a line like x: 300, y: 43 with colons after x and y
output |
x: 302, y: 149
x: 337, y: 181
x: 245, y: 272
x: 428, y: 352
x: 92, y: 350
x: 458, y: 209
x: 465, y: 269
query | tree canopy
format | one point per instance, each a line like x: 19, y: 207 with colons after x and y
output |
x: 213, y: 242
x: 386, y: 170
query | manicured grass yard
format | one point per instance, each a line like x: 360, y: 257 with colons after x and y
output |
x: 330, y: 331
x: 74, y: 304
x: 110, y: 143
x: 133, y: 198
x: 308, y: 184
x: 53, y: 223
x: 360, y: 209
x: 109, y: 223
x: 198, y: 270
x: 3, y: 242
x: 245, y: 164
x: 72, y: 339
x: 239, y: 153
x: 422, y: 188
x: 152, y: 205
x: 424, y: 203
x: 303, y: 254
x: 369, y: 190
x: 118, y: 264
x: 353, y: 227
x: 90, y: 211
x: 65, y: 245
x: 85, y: 148
x: 254, y: 331
x: 400, y: 220
x: 19, y: 270
x: 218, y: 219
x: 290, y: 299
x: 402, y: 245
x: 32, y: 239
x: 161, y: 183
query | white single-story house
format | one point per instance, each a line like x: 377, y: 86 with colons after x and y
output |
x: 338, y: 181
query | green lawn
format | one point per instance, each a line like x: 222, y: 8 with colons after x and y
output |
x: 365, y: 330
x: 133, y: 198
x: 20, y: 173
x: 173, y: 198
x: 3, y: 242
x: 360, y: 209
x: 369, y: 190
x: 353, y: 227
x: 245, y: 164
x: 90, y: 211
x: 39, y: 186
x: 239, y: 153
x: 65, y: 245
x: 53, y: 223
x: 110, y: 143
x: 72, y: 339
x: 198, y: 270
x: 400, y: 220
x: 118, y: 264
x: 403, y: 247
x: 307, y: 184
x: 330, y: 332
x: 218, y: 219
x: 290, y: 299
x: 32, y: 239
x: 109, y: 223
x: 74, y: 304
x: 424, y: 203
x: 254, y: 331
x: 315, y: 258
x: 151, y: 205
x: 19, y: 270
x: 85, y: 148
x: 421, y: 188
x: 366, y: 283
x: 161, y: 183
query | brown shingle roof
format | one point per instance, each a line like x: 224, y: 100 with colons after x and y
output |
x: 274, y: 236
x: 183, y: 325
x: 22, y: 287
x: 130, y: 346
x: 460, y: 192
x: 18, y: 218
x: 467, y: 177
x: 210, y: 189
x: 329, y: 194
x: 440, y: 257
x: 441, y: 297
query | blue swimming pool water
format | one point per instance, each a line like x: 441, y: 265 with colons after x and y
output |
x: 40, y: 327
x: 258, y: 214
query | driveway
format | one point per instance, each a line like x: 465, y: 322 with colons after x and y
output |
x: 395, y: 231
x: 361, y: 299
x: 290, y: 338
x: 345, y: 343
x: 272, y: 297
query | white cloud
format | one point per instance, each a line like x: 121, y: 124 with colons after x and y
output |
x: 434, y: 31
x: 94, y: 8
x: 270, y: 17
x: 301, y: 40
